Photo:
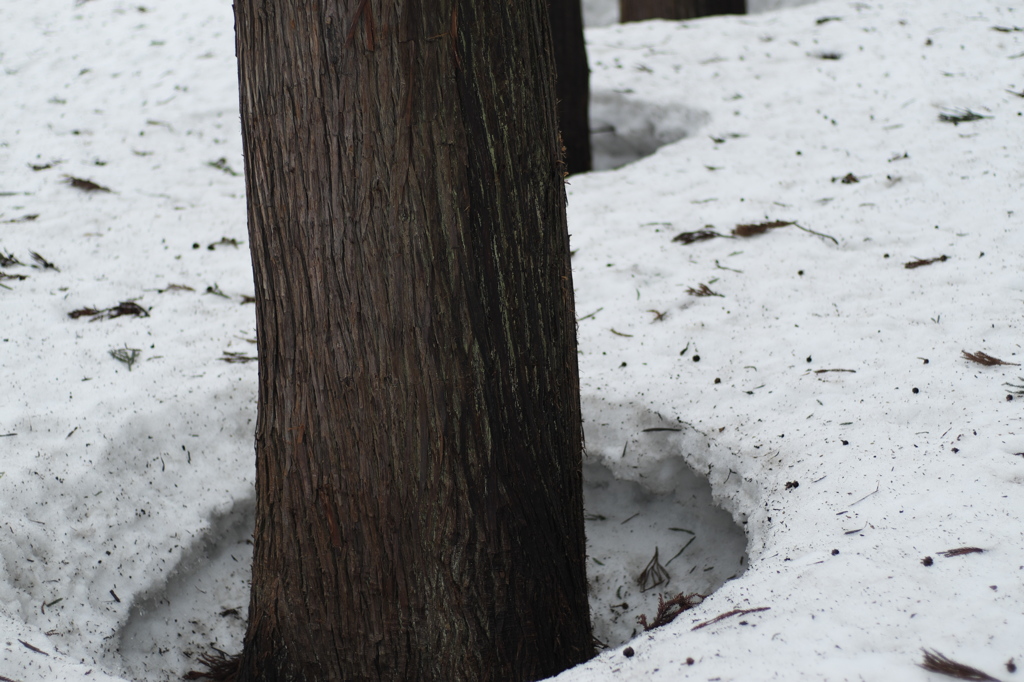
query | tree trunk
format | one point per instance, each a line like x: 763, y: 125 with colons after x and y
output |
x: 573, y: 85
x: 639, y: 10
x: 418, y: 445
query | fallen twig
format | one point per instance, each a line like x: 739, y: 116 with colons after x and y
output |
x: 817, y: 234
x: 924, y: 261
x: 728, y: 614
x: 32, y: 648
x: 867, y: 496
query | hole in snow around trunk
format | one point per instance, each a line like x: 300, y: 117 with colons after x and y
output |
x: 640, y: 496
x: 624, y: 129
x: 204, y: 604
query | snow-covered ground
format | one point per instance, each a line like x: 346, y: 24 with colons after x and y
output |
x: 818, y: 391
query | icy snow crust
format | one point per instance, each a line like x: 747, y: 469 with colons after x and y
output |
x: 125, y: 495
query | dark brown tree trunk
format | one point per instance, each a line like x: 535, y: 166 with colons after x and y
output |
x: 573, y: 86
x: 638, y: 10
x: 418, y: 445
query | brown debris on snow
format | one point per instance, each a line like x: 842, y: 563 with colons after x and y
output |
x: 983, y: 358
x: 654, y: 575
x: 237, y: 358
x: 960, y: 551
x: 702, y: 290
x: 729, y: 614
x: 123, y: 308
x: 958, y: 116
x: 669, y: 610
x: 752, y: 229
x: 937, y: 663
x: 85, y: 185
x: 924, y: 261
x: 693, y: 237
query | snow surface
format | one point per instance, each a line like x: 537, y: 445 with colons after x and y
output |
x: 832, y: 414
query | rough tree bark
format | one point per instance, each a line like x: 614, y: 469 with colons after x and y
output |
x: 639, y: 10
x: 573, y: 84
x: 418, y: 444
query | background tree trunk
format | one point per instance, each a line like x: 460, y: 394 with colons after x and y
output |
x: 418, y: 445
x: 638, y: 10
x: 573, y: 84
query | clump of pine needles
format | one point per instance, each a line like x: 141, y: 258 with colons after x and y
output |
x: 937, y: 663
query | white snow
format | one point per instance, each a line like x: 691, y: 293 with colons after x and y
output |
x: 126, y: 493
